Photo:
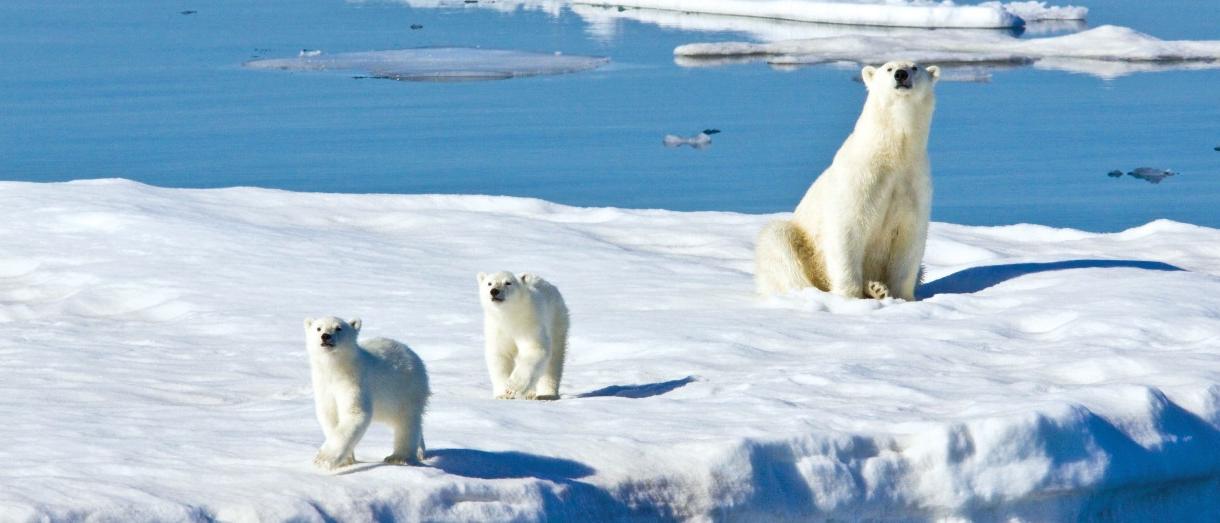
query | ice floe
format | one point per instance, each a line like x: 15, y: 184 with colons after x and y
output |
x: 437, y: 63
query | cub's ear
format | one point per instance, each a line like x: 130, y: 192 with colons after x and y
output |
x: 527, y: 277
x: 308, y: 323
x: 867, y: 73
x: 482, y: 276
x: 934, y: 71
x: 355, y: 323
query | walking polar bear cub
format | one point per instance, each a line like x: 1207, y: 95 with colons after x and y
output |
x: 860, y: 230
x: 353, y: 385
x: 525, y: 325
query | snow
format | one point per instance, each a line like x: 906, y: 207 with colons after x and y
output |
x: 154, y: 366
x: 1106, y: 51
x: 891, y: 13
x: 437, y: 63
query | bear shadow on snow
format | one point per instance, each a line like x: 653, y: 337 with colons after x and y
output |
x: 484, y: 464
x: 975, y: 279
x: 645, y: 390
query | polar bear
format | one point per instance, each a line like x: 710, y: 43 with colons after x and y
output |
x: 861, y: 227
x: 525, y: 328
x: 354, y: 384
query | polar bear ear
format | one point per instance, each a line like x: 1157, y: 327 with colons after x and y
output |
x: 934, y: 72
x: 308, y: 323
x: 355, y: 323
x: 867, y: 73
x: 527, y: 277
x: 482, y: 276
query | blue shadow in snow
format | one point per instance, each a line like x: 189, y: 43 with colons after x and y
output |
x: 646, y: 390
x: 483, y: 464
x: 976, y: 279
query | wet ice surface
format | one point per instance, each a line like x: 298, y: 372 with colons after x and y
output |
x: 437, y: 64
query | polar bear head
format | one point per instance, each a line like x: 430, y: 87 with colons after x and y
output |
x: 325, y: 335
x: 502, y: 288
x: 901, y: 79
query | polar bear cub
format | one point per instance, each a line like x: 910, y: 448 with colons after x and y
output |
x: 525, y: 328
x: 354, y: 384
x: 861, y: 227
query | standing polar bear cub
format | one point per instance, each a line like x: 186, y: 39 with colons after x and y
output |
x: 861, y: 228
x: 353, y: 385
x: 525, y: 324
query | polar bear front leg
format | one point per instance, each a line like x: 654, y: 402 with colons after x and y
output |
x: 339, y: 448
x: 532, y: 356
x: 844, y: 265
x: 499, y: 357
x: 905, y: 262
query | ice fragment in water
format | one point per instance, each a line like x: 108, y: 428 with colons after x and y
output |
x: 1148, y: 174
x: 437, y: 64
x: 698, y: 141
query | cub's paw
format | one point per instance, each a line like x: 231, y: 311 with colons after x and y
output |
x: 328, y: 461
x: 399, y: 459
x: 506, y: 395
x: 877, y: 290
x: 546, y: 397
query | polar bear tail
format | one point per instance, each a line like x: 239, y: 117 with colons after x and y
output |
x: 785, y: 259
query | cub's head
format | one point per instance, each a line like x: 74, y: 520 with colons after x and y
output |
x: 324, y: 335
x: 501, y: 288
x: 900, y: 78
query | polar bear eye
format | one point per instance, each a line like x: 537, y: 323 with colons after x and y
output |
x: 914, y: 68
x: 319, y: 329
x: 889, y: 69
x: 338, y: 329
x: 506, y: 284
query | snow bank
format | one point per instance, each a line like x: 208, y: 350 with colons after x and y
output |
x: 1090, y: 51
x: 154, y: 366
x: 438, y: 63
x: 1039, y: 11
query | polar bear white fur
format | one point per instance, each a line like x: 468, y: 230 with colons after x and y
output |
x: 354, y: 384
x: 525, y: 328
x: 861, y: 227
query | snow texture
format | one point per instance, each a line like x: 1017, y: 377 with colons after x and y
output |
x: 437, y: 63
x: 1106, y: 51
x: 892, y: 14
x: 155, y: 369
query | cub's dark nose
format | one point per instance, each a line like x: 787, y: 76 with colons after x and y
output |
x: 901, y: 75
x: 325, y: 336
x: 495, y: 292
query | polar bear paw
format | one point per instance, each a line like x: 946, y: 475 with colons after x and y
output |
x: 877, y: 290
x: 398, y: 459
x: 328, y: 461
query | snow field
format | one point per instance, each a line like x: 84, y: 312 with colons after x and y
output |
x: 155, y: 367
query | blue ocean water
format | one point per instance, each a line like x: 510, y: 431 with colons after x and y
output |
x: 140, y: 90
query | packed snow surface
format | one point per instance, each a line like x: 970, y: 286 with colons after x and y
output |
x: 1105, y: 51
x: 437, y: 63
x: 155, y: 369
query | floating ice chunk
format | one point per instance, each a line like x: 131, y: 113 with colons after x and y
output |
x: 438, y: 64
x: 894, y: 14
x: 698, y: 141
x: 1148, y: 174
x: 1107, y: 51
x: 1038, y: 11
x: 309, y: 52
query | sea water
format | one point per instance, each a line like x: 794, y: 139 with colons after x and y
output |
x: 156, y: 92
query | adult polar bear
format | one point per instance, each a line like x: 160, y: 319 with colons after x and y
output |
x: 860, y: 229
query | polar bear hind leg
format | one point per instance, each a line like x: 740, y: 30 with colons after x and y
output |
x: 785, y: 259
x: 548, y: 384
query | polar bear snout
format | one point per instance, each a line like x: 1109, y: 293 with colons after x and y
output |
x: 902, y: 79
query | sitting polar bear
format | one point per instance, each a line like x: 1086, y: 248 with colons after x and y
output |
x: 525, y: 324
x: 861, y: 228
x: 353, y: 385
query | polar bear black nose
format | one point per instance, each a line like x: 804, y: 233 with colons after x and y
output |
x: 901, y: 75
x: 325, y: 336
x: 495, y: 292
